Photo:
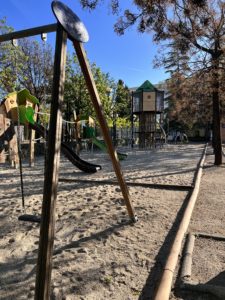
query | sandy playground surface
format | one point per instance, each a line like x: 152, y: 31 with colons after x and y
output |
x: 98, y: 254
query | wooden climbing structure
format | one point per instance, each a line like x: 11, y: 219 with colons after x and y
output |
x: 8, y: 139
x: 13, y: 109
x: 147, y: 112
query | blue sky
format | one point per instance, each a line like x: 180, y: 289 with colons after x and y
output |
x: 128, y: 57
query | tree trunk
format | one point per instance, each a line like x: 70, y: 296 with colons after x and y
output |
x: 216, y: 114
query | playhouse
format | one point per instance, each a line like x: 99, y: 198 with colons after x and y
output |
x: 16, y: 109
x: 147, y: 114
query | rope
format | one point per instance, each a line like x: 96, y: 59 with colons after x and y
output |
x: 38, y: 139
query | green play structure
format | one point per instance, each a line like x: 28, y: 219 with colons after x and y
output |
x: 101, y: 145
x: 16, y: 108
x: 20, y: 106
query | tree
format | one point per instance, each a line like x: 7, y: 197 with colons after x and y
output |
x: 198, y: 26
x: 36, y: 68
x: 7, y: 62
x: 76, y: 97
x: 104, y: 84
x: 76, y: 92
x: 27, y: 65
x: 122, y: 100
x: 190, y: 102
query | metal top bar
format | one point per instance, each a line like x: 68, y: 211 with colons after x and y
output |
x: 28, y: 32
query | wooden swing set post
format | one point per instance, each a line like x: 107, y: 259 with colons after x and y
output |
x: 104, y: 127
x: 47, y: 227
x: 47, y: 230
x: 78, y: 34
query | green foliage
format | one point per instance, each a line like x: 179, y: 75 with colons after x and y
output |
x: 8, y: 54
x: 76, y: 94
x: 36, y: 68
x: 120, y: 122
x: 45, y: 116
x: 28, y: 65
x: 123, y: 122
x: 104, y: 85
x: 122, y: 106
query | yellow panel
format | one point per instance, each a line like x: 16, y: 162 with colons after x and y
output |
x: 11, y: 102
x: 149, y: 101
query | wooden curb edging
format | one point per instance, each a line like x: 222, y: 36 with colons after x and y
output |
x: 164, y: 288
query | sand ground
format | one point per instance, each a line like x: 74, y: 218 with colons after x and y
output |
x: 98, y: 254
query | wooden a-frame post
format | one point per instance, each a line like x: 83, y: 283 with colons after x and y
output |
x: 81, y: 55
x: 47, y: 230
x: 78, y: 34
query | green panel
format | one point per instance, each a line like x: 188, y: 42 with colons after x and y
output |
x: 30, y: 115
x: 24, y: 95
x: 22, y: 114
x: 89, y: 132
x: 103, y: 147
x: 26, y: 114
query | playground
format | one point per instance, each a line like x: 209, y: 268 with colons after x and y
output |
x: 98, y: 254
x: 108, y: 220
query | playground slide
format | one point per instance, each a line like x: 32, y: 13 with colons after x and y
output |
x: 70, y: 154
x: 101, y: 145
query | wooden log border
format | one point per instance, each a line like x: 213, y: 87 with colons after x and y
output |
x: 187, y: 257
x: 165, y: 284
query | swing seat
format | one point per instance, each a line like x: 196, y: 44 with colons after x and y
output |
x: 30, y: 218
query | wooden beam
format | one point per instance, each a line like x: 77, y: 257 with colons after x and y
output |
x: 47, y: 230
x: 81, y: 55
x: 28, y: 32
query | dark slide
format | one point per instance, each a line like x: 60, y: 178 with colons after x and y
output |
x: 69, y: 153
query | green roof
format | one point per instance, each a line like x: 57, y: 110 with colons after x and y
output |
x: 24, y: 95
x: 147, y: 87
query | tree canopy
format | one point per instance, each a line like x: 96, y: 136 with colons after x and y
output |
x: 122, y: 100
x: 28, y: 64
x: 76, y: 93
